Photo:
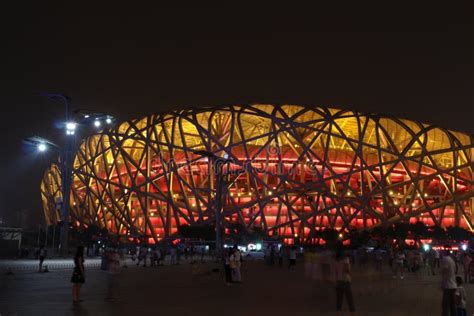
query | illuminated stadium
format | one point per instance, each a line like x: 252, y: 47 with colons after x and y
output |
x: 292, y: 171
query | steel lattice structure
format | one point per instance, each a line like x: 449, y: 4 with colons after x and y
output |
x: 295, y: 170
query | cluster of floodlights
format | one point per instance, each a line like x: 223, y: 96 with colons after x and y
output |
x: 71, y: 127
x: 99, y: 120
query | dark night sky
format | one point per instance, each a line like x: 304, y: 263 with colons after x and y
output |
x: 131, y: 60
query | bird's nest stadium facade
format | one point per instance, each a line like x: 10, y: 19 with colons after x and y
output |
x: 295, y: 170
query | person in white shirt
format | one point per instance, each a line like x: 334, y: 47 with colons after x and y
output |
x: 466, y: 262
x: 448, y: 285
x: 342, y: 268
x: 460, y: 297
x: 399, y: 264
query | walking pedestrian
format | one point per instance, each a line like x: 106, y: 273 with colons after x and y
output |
x: 399, y: 263
x: 191, y: 253
x: 236, y: 260
x: 173, y: 256
x: 142, y: 256
x: 378, y: 259
x: 292, y: 258
x: 154, y: 257
x: 159, y: 257
x: 42, y: 255
x: 113, y: 269
x: 466, y: 262
x: 280, y: 257
x: 448, y: 285
x: 437, y: 257
x: 227, y: 268
x: 272, y: 255
x: 343, y: 281
x: 429, y: 263
x: 78, y: 275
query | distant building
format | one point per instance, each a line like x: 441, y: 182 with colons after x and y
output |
x: 296, y: 170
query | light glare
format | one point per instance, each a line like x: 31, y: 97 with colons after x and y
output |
x: 70, y: 126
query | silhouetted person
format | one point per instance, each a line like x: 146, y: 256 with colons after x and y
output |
x: 42, y: 256
x: 343, y: 281
x: 227, y: 268
x: 292, y: 258
x: 142, y: 256
x: 78, y: 276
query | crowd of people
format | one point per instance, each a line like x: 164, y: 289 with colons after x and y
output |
x: 325, y: 265
x: 155, y: 256
x: 329, y: 266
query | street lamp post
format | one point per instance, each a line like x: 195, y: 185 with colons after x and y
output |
x: 66, y: 177
x: 66, y: 153
x: 220, y: 182
x: 65, y: 167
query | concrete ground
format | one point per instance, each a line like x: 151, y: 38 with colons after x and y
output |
x: 195, y: 290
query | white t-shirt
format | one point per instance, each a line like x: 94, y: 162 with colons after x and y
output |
x: 448, y: 273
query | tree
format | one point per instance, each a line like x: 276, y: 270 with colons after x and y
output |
x: 91, y: 234
x: 419, y: 231
x: 330, y: 236
x: 437, y: 232
x: 359, y: 238
x: 206, y: 232
x: 399, y: 231
x: 458, y: 234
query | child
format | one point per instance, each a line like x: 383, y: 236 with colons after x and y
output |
x: 460, y: 298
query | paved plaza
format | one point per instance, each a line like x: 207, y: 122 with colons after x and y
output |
x: 193, y: 289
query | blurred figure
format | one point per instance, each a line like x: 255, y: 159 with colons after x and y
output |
x: 272, y: 255
x: 448, y: 284
x: 202, y: 252
x: 460, y: 297
x: 113, y: 269
x: 378, y: 259
x: 417, y: 262
x: 78, y: 275
x: 142, y: 256
x: 466, y: 262
x: 42, y: 255
x: 154, y: 257
x: 227, y: 267
x: 429, y: 262
x: 342, y: 268
x: 437, y: 257
x: 236, y: 262
x: 399, y: 264
x: 173, y: 255
x: 292, y: 258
